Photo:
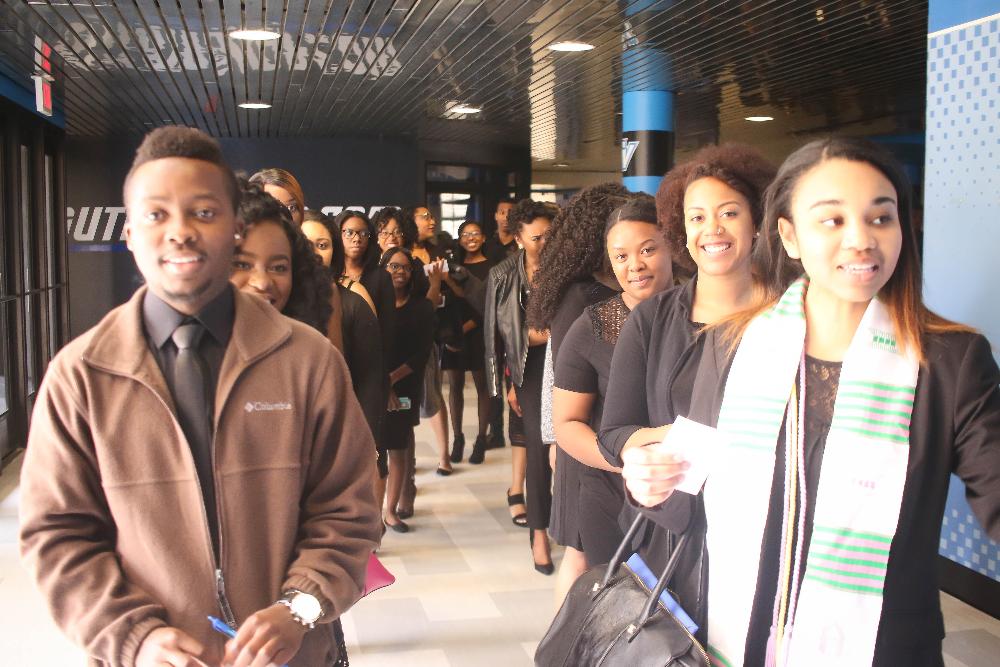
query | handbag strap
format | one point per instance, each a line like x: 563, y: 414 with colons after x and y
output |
x: 668, y: 571
x: 619, y: 558
x: 661, y: 583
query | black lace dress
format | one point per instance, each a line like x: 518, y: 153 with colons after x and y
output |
x: 583, y: 366
x: 822, y: 380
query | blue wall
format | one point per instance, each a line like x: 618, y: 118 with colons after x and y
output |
x: 962, y: 181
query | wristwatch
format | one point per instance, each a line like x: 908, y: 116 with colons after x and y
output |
x: 305, y: 608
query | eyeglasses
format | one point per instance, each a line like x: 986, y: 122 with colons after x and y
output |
x: 390, y: 232
x: 470, y: 235
x: 351, y: 233
x: 393, y: 267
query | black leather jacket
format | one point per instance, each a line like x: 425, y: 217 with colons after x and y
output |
x: 505, y: 315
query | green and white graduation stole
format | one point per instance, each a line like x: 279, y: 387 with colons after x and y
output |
x: 835, y: 619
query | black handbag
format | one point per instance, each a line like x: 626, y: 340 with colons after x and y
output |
x: 611, y: 618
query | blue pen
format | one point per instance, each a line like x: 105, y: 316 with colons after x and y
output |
x: 221, y: 626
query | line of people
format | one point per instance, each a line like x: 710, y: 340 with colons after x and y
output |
x: 198, y: 451
x: 782, y: 306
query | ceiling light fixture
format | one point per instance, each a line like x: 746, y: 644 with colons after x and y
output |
x: 464, y: 109
x: 255, y: 105
x: 254, y: 35
x: 571, y: 46
x: 758, y: 119
x: 560, y: 164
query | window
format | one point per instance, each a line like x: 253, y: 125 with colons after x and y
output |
x: 27, y: 255
x: 454, y: 211
x: 32, y: 260
x: 460, y: 192
x: 51, y: 250
x: 5, y: 324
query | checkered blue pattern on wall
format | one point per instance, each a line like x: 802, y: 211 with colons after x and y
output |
x: 963, y: 113
x: 963, y: 151
x: 963, y: 539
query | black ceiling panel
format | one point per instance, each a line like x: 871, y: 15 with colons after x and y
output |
x: 396, y: 67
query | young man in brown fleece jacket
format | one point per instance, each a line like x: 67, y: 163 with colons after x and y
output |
x: 138, y: 523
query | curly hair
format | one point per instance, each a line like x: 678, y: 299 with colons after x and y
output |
x: 405, y: 221
x: 527, y: 210
x: 739, y: 166
x: 312, y: 285
x: 185, y: 142
x: 575, y: 248
x: 372, y: 252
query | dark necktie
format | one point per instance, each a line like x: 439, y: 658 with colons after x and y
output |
x: 190, y: 396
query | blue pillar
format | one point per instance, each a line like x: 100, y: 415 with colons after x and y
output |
x: 647, y: 108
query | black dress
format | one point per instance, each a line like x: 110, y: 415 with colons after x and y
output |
x: 584, y: 367
x: 565, y: 524
x: 412, y: 338
x: 472, y: 352
x: 363, y: 354
x: 376, y: 280
x: 822, y: 380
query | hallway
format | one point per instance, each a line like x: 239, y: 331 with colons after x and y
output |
x: 466, y: 594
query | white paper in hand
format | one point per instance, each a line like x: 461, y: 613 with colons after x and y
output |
x: 700, y: 446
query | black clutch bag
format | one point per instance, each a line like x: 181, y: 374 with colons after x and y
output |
x: 611, y: 618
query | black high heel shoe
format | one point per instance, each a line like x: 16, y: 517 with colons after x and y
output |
x: 521, y: 518
x: 544, y: 568
x: 457, y: 448
x: 478, y: 454
x: 399, y: 527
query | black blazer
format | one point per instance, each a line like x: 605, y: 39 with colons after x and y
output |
x: 655, y: 345
x: 955, y: 428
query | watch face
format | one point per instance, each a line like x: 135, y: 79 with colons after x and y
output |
x: 306, y: 607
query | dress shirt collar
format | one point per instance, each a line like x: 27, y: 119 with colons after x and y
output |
x: 161, y: 319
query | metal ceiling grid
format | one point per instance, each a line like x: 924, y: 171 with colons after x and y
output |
x: 395, y: 66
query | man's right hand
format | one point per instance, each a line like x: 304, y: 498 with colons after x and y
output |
x: 170, y: 646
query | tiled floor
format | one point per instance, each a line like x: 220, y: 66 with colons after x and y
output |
x: 466, y: 594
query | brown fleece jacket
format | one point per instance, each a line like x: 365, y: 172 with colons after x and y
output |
x: 113, y: 525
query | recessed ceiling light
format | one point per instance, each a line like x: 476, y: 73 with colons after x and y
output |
x: 758, y: 119
x: 464, y: 108
x: 255, y: 105
x: 571, y: 46
x: 254, y: 35
x: 560, y: 164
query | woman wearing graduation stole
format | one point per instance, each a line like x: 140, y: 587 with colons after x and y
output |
x: 846, y: 404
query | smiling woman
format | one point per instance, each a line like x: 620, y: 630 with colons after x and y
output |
x: 276, y: 262
x: 848, y: 405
